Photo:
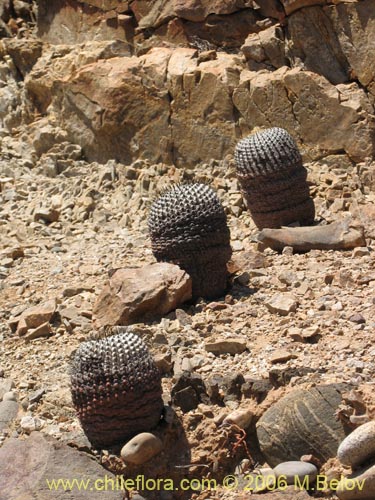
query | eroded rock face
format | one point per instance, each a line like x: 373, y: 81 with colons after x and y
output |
x: 155, y: 93
x: 74, y: 21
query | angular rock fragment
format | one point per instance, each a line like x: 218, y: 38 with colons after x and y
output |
x: 116, y: 388
x: 133, y: 295
x: 282, y: 303
x: 273, y: 179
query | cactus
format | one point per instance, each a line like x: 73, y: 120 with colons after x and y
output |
x: 188, y: 227
x: 273, y: 179
x: 116, y: 388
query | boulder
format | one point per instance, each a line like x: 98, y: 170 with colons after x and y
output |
x: 300, y: 423
x: 35, y: 316
x: 127, y: 111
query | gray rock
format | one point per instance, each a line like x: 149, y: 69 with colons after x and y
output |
x: 30, y: 424
x: 226, y: 346
x: 10, y: 396
x: 6, y: 385
x: 359, y: 446
x: 282, y: 303
x: 26, y: 465
x: 141, y: 448
x: 358, y: 486
x: 294, y: 469
x: 8, y: 412
x: 302, y: 422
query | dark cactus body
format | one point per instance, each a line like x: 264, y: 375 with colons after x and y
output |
x: 116, y: 389
x: 273, y: 179
x: 188, y: 227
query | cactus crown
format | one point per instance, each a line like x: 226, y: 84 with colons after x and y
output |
x: 121, y: 362
x: 267, y: 152
x: 186, y: 206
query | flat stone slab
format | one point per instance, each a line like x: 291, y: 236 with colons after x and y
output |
x: 341, y: 235
x: 27, y: 464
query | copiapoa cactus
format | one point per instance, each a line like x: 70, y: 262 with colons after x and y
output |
x: 273, y: 179
x: 188, y: 227
x: 116, y: 388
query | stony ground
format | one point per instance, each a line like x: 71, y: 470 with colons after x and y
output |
x: 99, y: 223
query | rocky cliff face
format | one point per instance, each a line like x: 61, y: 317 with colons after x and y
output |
x: 182, y: 81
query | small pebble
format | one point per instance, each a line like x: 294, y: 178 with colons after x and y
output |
x: 241, y: 418
x: 141, y: 448
x: 30, y: 424
x: 295, y: 468
x: 357, y: 318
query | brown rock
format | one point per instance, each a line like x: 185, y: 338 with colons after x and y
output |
x: 316, y: 44
x: 354, y: 25
x: 44, y: 330
x: 281, y: 356
x: 340, y: 235
x: 77, y: 21
x: 8, y: 412
x: 58, y: 63
x: 36, y: 316
x: 141, y: 448
x: 316, y: 124
x: 282, y: 303
x: 193, y: 10
x: 128, y: 117
x: 223, y: 31
x: 47, y: 214
x: 293, y: 5
x: 266, y: 46
x: 247, y: 260
x: 133, y: 295
x: 6, y: 385
x: 202, y: 108
x: 226, y: 346
x: 24, y: 52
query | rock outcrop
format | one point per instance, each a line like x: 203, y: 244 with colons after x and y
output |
x: 181, y: 82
